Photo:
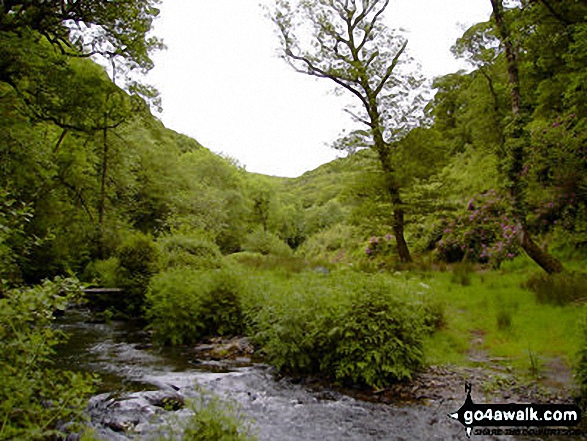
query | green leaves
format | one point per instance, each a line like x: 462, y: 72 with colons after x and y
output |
x: 34, y: 397
x: 349, y: 327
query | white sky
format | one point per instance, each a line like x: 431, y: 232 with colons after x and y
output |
x: 223, y: 84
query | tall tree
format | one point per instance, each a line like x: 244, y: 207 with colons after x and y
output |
x: 516, y: 145
x: 348, y: 44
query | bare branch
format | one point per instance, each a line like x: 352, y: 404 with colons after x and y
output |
x: 369, y: 28
x: 317, y: 72
x: 357, y: 117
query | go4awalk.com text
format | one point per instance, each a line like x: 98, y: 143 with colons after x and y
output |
x: 541, y: 416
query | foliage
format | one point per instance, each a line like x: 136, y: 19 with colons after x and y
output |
x: 138, y: 262
x: 104, y: 273
x: 14, y: 243
x: 212, y: 419
x: 337, y: 244
x: 380, y: 248
x: 349, y: 327
x: 558, y: 289
x: 484, y: 233
x: 186, y: 305
x: 36, y: 398
x: 120, y: 30
x: 266, y: 242
x: 283, y: 264
x: 557, y: 159
x: 188, y: 249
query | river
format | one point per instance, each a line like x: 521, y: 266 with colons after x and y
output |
x: 135, y: 375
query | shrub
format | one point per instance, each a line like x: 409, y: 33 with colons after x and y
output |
x: 558, y: 289
x: 483, y: 233
x: 266, y: 242
x: 350, y: 327
x: 36, y: 399
x: 381, y: 251
x: 189, y: 250
x: 185, y: 305
x: 212, y: 419
x: 378, y: 337
x: 138, y: 258
x: 103, y: 273
x: 334, y: 245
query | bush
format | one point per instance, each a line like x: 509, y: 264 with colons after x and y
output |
x: 138, y: 258
x: 189, y: 250
x: 266, y: 242
x: 103, y: 273
x: 349, y: 327
x: 35, y: 399
x: 484, y: 233
x: 184, y: 305
x: 558, y: 289
x: 212, y: 419
x: 334, y: 245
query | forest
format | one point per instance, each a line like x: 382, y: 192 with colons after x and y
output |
x: 459, y: 213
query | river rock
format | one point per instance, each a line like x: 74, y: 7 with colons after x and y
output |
x: 227, y: 349
x: 169, y: 400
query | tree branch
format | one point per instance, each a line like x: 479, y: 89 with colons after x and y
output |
x: 357, y: 117
x: 390, y: 68
x: 555, y: 14
x: 367, y: 29
x: 317, y: 72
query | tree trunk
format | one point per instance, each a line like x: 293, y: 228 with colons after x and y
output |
x: 398, y: 227
x: 398, y: 212
x: 517, y: 155
x: 546, y: 261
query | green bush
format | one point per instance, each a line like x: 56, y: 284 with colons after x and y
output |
x: 266, y: 242
x: 484, y: 232
x: 338, y: 244
x: 185, y: 305
x: 103, y: 273
x: 35, y: 398
x: 350, y: 327
x: 189, y: 250
x: 212, y: 419
x: 558, y: 289
x: 138, y: 262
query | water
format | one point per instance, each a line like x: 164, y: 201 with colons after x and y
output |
x: 137, y: 376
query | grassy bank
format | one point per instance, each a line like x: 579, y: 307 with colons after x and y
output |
x: 493, y: 315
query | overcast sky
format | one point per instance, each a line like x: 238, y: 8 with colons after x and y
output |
x: 223, y: 84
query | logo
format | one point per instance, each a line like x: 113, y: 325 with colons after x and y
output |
x: 473, y: 415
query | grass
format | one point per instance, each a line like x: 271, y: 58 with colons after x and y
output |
x: 513, y: 325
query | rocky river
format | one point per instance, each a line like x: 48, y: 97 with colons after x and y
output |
x: 144, y: 388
